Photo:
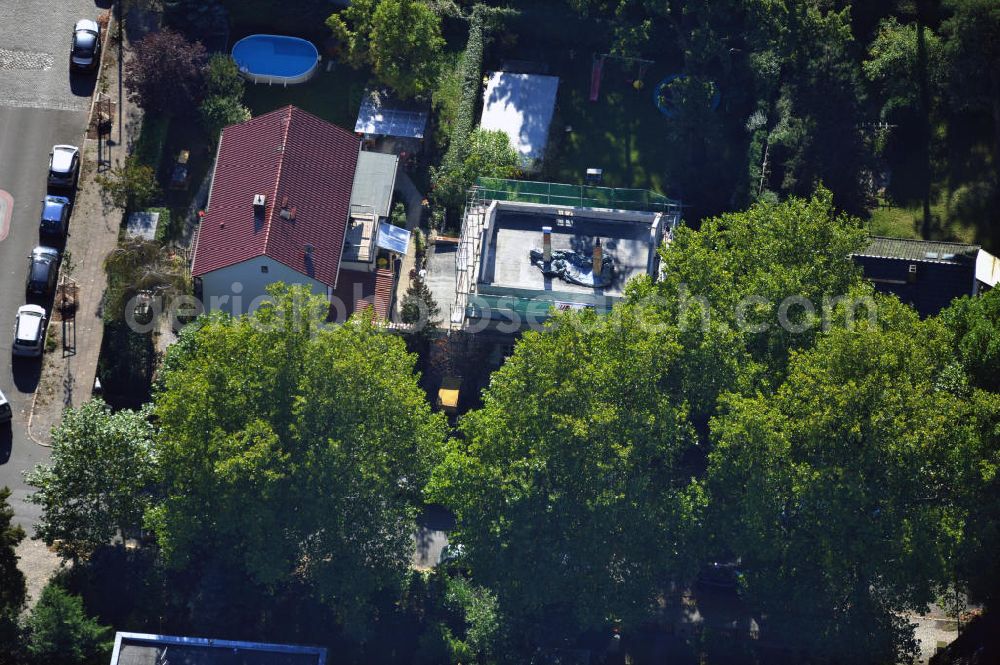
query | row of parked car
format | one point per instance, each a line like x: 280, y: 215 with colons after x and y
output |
x: 43, y: 263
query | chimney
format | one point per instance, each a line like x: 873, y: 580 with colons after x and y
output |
x: 308, y: 249
x: 546, y: 243
x: 598, y: 258
x: 259, y: 201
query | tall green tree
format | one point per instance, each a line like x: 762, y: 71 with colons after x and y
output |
x: 399, y: 39
x: 61, y: 633
x: 99, y: 480
x: 975, y: 326
x: 573, y: 500
x: 747, y: 272
x: 842, y: 493
x: 12, y: 585
x: 290, y: 450
x: 972, y: 52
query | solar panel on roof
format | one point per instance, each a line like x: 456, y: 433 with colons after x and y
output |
x: 393, y: 238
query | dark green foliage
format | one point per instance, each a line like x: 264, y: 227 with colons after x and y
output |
x: 218, y: 112
x: 418, y: 305
x: 61, y: 633
x: 12, y: 585
x: 222, y: 77
x: 149, y: 146
x: 198, y: 20
x: 98, y: 482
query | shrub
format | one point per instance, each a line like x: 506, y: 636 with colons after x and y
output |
x: 60, y: 632
x: 219, y: 112
x: 222, y: 77
x: 149, y: 146
x: 129, y: 186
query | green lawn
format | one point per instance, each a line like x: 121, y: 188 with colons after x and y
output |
x: 621, y: 132
x: 905, y: 221
x: 299, y: 18
x: 334, y: 96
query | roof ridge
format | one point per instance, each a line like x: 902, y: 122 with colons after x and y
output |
x: 921, y: 240
x: 287, y: 120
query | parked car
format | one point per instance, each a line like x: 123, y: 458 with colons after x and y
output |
x: 64, y: 166
x: 55, y: 216
x: 85, y: 52
x: 43, y: 268
x: 29, y: 331
x: 5, y: 412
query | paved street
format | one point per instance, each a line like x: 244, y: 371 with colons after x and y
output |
x: 40, y: 105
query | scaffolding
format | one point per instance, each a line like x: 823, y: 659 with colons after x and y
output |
x: 575, y: 196
x: 467, y: 253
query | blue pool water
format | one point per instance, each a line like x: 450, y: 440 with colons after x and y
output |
x: 275, y: 56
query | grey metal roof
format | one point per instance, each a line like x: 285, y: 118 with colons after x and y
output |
x: 919, y: 250
x: 374, y: 180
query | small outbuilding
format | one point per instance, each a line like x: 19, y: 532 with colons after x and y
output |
x: 521, y: 105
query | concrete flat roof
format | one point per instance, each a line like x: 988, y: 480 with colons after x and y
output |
x: 507, y: 262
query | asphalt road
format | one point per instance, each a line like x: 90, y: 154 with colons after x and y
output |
x: 41, y: 105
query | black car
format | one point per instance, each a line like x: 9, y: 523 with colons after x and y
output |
x: 85, y: 52
x: 43, y: 267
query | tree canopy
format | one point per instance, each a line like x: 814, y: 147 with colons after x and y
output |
x: 400, y: 39
x: 841, y: 491
x: 294, y: 451
x: 60, y: 631
x: 99, y: 480
x: 569, y: 484
x: 166, y: 56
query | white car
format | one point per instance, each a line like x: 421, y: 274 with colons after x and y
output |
x: 64, y: 166
x: 29, y: 331
x: 5, y: 412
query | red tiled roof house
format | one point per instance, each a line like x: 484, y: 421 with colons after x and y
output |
x: 280, y: 209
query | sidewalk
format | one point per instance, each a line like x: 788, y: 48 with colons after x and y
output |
x: 68, y: 372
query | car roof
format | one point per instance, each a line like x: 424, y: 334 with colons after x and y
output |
x: 62, y: 156
x: 29, y: 324
x: 86, y: 24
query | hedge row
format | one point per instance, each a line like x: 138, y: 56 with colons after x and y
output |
x: 448, y: 185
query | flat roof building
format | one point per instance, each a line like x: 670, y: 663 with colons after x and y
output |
x: 528, y: 249
x: 147, y: 649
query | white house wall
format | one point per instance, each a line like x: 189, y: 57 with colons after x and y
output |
x: 242, y: 287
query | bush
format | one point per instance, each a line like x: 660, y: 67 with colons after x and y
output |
x: 217, y: 113
x: 222, y: 77
x: 131, y: 185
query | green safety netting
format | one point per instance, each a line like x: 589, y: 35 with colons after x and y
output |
x: 584, y: 196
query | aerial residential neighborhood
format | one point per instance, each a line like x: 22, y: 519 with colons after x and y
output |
x: 499, y: 332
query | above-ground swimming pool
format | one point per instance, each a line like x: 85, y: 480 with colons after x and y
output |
x: 276, y: 59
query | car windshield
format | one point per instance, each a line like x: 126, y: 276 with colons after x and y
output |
x: 52, y: 211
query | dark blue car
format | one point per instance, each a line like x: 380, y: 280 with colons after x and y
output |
x: 55, y: 216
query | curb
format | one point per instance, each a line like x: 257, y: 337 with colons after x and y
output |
x: 31, y: 416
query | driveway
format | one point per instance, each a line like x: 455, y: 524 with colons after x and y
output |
x: 40, y: 105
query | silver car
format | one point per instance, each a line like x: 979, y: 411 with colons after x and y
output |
x: 85, y: 51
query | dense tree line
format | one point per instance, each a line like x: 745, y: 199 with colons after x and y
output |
x: 841, y: 448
